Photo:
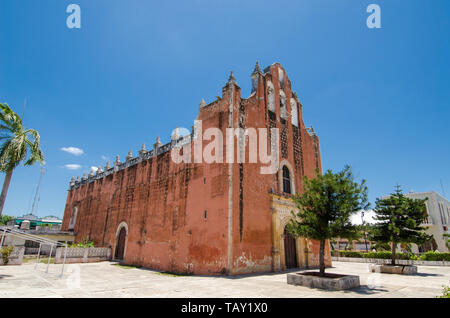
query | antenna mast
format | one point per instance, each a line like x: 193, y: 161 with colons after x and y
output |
x: 36, y: 196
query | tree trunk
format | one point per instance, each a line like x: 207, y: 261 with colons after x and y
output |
x: 393, y: 249
x: 322, y: 258
x: 5, y: 190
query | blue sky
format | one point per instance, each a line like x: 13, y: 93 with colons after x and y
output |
x: 378, y: 98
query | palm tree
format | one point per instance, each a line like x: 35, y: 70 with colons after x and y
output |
x: 17, y: 145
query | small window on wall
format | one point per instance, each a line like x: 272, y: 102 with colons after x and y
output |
x: 294, y: 113
x: 442, y: 213
x: 427, y: 215
x: 286, y: 180
x: 73, y: 218
x: 271, y: 95
x: 283, y: 110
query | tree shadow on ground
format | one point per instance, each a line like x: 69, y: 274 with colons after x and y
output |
x: 217, y: 275
x: 222, y: 275
x: 361, y: 290
x: 366, y: 290
x: 427, y: 275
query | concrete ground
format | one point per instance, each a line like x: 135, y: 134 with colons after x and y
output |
x: 108, y: 280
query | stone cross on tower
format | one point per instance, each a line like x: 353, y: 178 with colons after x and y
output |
x: 231, y: 79
x: 255, y: 77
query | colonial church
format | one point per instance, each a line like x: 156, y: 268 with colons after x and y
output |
x: 206, y: 218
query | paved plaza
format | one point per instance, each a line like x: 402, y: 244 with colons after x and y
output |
x: 106, y: 279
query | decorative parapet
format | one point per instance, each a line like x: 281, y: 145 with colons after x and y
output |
x: 283, y: 199
x: 131, y: 161
x: 82, y: 255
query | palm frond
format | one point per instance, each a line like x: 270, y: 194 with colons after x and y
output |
x: 17, y: 143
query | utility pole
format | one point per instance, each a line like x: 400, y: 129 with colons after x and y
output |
x: 365, y: 234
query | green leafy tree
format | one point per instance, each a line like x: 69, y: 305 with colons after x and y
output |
x: 6, y: 252
x: 325, y: 208
x: 400, y: 220
x: 447, y: 240
x: 381, y: 246
x: 353, y: 236
x: 17, y: 145
x: 5, y: 219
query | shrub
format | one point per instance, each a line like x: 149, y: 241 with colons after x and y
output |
x: 435, y: 256
x: 6, y: 252
x: 380, y: 246
x: 379, y: 255
x: 83, y: 244
x: 386, y: 255
x: 445, y: 292
x: 5, y: 219
x: 350, y: 254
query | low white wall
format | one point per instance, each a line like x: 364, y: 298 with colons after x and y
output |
x: 82, y: 255
x: 388, y: 261
x: 16, y: 256
x: 45, y: 250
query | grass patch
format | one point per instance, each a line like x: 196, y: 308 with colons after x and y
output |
x: 45, y: 260
x: 41, y: 260
x: 172, y: 274
x: 126, y: 266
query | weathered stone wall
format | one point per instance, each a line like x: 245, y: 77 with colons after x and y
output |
x: 178, y: 215
x: 163, y: 205
x: 252, y: 204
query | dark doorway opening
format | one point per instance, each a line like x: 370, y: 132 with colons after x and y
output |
x: 120, y: 247
x: 290, y: 250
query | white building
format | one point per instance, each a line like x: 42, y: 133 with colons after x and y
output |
x: 438, y: 209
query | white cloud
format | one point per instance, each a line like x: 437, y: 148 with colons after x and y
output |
x: 72, y: 166
x: 73, y: 150
x: 94, y: 168
x: 368, y: 217
x: 104, y: 158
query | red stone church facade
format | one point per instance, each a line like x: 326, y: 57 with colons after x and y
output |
x: 206, y: 218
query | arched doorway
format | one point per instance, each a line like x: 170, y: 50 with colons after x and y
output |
x: 290, y: 250
x: 121, y: 240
